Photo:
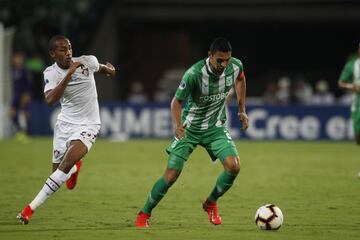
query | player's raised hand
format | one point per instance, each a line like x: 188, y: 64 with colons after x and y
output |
x: 108, y: 69
x: 245, y: 120
x: 112, y: 70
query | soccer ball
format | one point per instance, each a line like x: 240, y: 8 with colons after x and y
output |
x: 269, y: 217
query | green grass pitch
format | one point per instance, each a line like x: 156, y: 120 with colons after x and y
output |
x: 314, y: 183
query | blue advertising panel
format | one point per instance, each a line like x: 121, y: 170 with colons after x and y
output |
x: 297, y: 122
x: 266, y: 122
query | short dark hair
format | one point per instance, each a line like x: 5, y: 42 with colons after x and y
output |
x: 220, y: 44
x: 54, y: 39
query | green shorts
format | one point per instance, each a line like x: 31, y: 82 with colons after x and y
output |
x: 356, y: 122
x: 217, y: 142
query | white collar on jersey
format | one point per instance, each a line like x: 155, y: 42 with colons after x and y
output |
x: 208, y: 65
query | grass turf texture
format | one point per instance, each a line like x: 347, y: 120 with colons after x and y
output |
x: 314, y: 183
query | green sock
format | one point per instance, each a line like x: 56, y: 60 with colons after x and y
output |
x: 157, y: 193
x: 223, y: 183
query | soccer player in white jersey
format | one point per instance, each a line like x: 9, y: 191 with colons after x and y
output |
x: 70, y: 80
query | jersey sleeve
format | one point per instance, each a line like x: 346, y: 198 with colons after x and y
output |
x: 239, y: 64
x: 92, y: 63
x: 347, y: 72
x: 186, y: 85
x: 51, y: 80
x: 241, y: 75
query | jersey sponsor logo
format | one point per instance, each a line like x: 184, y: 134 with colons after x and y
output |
x: 73, y: 79
x: 182, y: 85
x: 215, y: 97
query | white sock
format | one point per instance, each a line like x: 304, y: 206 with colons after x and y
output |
x: 72, y: 170
x: 52, y: 184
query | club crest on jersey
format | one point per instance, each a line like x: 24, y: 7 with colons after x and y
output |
x: 182, y: 85
x: 56, y: 153
x: 228, y: 81
x: 85, y: 71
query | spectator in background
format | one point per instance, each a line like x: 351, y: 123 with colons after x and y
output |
x: 22, y: 82
x: 161, y: 95
x: 346, y: 99
x: 322, y: 94
x: 36, y: 65
x: 283, y: 91
x: 168, y: 84
x: 302, y: 92
x: 269, y: 95
x: 137, y: 94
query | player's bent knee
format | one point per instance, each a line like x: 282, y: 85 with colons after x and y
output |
x: 233, y: 165
x: 235, y: 169
x: 171, y: 175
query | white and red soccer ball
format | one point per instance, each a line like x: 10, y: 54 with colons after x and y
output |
x: 269, y: 217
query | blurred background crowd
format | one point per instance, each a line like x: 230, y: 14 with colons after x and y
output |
x: 293, y: 50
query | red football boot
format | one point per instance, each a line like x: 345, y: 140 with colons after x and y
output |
x: 25, y: 215
x: 71, y: 182
x: 212, y: 211
x: 142, y: 220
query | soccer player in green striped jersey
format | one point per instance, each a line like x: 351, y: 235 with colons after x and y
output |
x: 205, y: 86
x: 350, y: 80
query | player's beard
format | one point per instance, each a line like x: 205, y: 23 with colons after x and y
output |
x: 219, y: 71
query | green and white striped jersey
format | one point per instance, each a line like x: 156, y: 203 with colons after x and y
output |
x: 351, y: 74
x: 206, y: 94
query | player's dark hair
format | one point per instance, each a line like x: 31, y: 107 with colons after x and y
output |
x: 54, y: 39
x: 220, y: 44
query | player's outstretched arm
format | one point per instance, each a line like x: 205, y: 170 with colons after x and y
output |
x: 107, y: 69
x: 240, y: 89
x: 53, y: 95
x: 349, y: 86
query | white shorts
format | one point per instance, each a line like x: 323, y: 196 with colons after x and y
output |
x: 65, y: 132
